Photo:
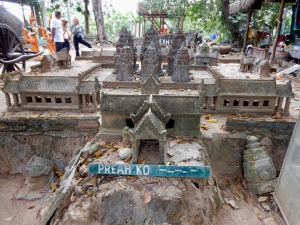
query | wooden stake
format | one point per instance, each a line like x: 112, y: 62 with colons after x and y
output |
x: 278, y: 30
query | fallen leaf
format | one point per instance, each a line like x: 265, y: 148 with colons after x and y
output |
x: 212, y: 121
x: 180, y: 89
x: 147, y: 197
x: 9, y: 218
x: 132, y: 178
x: 262, y: 199
x: 142, y: 161
x: 121, y: 185
x: 31, y: 207
x: 244, y: 182
x: 204, y: 127
x: 59, y: 173
x: 128, y: 159
x: 168, y: 163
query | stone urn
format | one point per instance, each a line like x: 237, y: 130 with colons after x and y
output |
x: 224, y: 49
x: 259, y: 169
x: 284, y: 56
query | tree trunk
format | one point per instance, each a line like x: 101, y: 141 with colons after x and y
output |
x: 235, y: 35
x: 38, y: 18
x: 97, y: 9
x: 279, y: 21
x: 86, y: 16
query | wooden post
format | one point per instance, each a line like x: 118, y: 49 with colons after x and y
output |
x: 278, y: 30
x: 250, y: 10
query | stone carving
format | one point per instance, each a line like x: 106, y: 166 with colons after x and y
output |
x: 150, y: 62
x: 150, y: 86
x: 259, y: 168
x: 253, y: 95
x: 39, y: 175
x: 177, y: 40
x: 205, y: 57
x: 125, y: 56
x: 255, y: 61
x: 56, y: 61
x: 152, y: 36
x: 124, y: 63
x: 50, y: 92
x: 182, y: 65
x: 150, y: 121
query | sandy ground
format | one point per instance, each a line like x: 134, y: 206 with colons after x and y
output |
x: 17, y: 212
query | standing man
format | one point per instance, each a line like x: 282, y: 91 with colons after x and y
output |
x: 57, y: 31
x: 77, y: 31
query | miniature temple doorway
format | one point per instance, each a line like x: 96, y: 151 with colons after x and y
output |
x: 149, y: 151
x: 150, y: 128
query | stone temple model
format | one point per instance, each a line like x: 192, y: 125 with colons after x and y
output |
x: 150, y: 63
x: 125, y: 56
x: 259, y: 168
x: 177, y: 40
x: 152, y: 36
x: 182, y: 65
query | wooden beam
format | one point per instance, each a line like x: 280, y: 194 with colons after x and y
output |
x: 250, y: 10
x: 278, y: 30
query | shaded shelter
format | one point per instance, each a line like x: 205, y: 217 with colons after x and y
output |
x: 250, y: 5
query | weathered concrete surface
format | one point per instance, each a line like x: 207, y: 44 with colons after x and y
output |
x: 225, y: 150
x: 259, y: 125
x: 30, y: 124
x: 59, y: 139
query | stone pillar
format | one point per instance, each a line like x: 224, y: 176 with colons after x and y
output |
x: 279, y: 104
x: 83, y: 106
x: 98, y: 97
x: 8, y: 102
x: 135, y: 150
x: 162, y: 144
x: 94, y: 102
x: 16, y: 100
x: 287, y: 104
x: 208, y: 102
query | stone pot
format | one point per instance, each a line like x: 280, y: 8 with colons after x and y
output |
x: 284, y: 56
x: 224, y: 49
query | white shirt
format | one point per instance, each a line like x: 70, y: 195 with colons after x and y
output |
x: 59, y: 33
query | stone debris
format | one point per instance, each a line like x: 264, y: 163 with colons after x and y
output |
x: 39, y: 175
x: 125, y: 152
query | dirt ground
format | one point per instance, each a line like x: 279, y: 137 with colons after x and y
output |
x: 17, y: 212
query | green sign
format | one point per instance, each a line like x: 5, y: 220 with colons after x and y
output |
x: 150, y: 170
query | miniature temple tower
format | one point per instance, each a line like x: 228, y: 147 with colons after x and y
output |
x: 182, y: 65
x: 152, y: 36
x: 177, y: 40
x: 124, y: 64
x: 150, y: 63
x: 125, y: 56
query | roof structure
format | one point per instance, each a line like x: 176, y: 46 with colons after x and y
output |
x: 240, y: 5
x: 149, y: 127
x: 49, y: 84
x: 250, y: 88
